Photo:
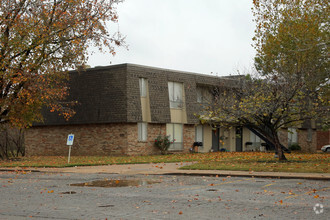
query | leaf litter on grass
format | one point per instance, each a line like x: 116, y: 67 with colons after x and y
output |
x: 248, y: 161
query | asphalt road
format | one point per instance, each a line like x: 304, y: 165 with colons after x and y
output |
x: 50, y: 196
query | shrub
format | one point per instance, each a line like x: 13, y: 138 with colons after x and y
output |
x: 163, y: 143
x: 294, y: 147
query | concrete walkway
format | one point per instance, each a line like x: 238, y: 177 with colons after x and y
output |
x: 170, y: 168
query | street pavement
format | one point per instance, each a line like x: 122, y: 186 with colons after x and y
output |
x: 93, y: 192
x: 47, y: 195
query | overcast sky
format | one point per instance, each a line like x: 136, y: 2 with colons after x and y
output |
x: 200, y: 36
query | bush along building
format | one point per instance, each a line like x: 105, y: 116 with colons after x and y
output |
x: 122, y: 109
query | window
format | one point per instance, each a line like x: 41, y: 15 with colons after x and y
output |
x: 175, y: 131
x: 255, y: 139
x: 203, y: 95
x: 309, y: 134
x: 199, y: 133
x: 292, y: 136
x: 143, y: 87
x: 199, y: 95
x: 142, y: 131
x: 175, y: 91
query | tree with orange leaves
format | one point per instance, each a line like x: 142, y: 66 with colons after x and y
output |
x: 39, y: 41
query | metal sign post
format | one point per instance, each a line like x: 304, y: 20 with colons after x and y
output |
x: 69, y: 154
x: 70, y: 143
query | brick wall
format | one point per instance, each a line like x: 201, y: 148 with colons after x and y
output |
x: 158, y: 92
x: 188, y: 137
x: 111, y: 94
x: 283, y: 137
x: 101, y: 139
x: 323, y: 138
x: 101, y: 97
x: 98, y: 140
x: 135, y: 147
x: 305, y: 144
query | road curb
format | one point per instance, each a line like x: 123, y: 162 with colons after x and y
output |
x: 20, y: 170
x: 252, y: 175
x: 184, y: 173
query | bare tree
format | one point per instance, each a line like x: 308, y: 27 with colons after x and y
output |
x: 11, y: 142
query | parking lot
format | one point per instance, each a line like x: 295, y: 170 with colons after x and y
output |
x: 53, y: 196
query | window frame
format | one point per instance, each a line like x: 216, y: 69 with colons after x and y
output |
x: 175, y: 146
x: 143, y: 85
x: 174, y: 88
x: 256, y: 141
x: 203, y: 95
x: 202, y: 133
x: 292, y: 136
x: 142, y: 131
x: 199, y: 94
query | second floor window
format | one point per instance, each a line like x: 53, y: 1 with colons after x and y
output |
x: 203, y: 95
x: 175, y: 91
x: 143, y: 87
x: 199, y: 95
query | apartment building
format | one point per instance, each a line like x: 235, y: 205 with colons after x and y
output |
x: 122, y: 109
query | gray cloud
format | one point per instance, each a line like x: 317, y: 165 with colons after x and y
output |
x: 200, y: 36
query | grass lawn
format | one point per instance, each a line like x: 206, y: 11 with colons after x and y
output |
x: 248, y: 161
x: 256, y: 161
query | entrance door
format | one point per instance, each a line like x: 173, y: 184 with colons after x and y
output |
x: 215, y: 140
x: 239, y: 139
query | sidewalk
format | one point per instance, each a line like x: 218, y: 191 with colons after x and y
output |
x: 170, y: 168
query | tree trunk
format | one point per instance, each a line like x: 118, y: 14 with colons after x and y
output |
x: 278, y: 149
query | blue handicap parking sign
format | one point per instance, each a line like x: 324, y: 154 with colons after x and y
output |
x: 70, y: 139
